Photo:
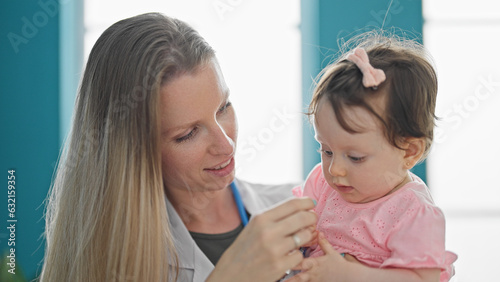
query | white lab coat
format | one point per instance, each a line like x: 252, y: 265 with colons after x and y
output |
x: 193, y: 264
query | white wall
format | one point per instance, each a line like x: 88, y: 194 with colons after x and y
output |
x: 463, y: 37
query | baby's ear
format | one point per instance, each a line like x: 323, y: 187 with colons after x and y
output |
x: 414, y: 150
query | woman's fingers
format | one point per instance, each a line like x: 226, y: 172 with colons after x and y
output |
x: 304, y: 267
x: 301, y: 238
x: 301, y: 277
x: 275, y: 240
x: 294, y: 231
x: 292, y: 259
x: 267, y: 247
x: 290, y: 207
x: 297, y: 221
x: 287, y: 226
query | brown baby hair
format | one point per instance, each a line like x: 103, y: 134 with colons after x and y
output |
x: 410, y: 86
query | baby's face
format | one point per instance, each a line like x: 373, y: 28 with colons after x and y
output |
x: 362, y: 166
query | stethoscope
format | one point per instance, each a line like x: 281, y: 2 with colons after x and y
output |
x: 239, y: 204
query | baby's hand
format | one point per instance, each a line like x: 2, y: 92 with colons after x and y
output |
x: 350, y: 258
x: 322, y: 268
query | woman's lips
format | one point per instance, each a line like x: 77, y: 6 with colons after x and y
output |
x: 223, y: 169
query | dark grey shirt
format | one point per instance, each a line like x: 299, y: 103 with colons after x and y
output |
x: 214, y: 245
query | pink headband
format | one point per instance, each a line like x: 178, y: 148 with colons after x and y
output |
x: 371, y: 77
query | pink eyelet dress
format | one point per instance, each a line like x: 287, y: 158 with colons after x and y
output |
x: 401, y: 230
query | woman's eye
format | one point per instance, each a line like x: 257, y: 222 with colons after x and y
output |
x: 356, y: 159
x: 224, y: 108
x: 187, y: 136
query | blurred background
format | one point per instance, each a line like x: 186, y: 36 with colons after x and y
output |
x: 270, y: 52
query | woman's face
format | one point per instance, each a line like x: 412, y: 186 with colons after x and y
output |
x: 199, y: 131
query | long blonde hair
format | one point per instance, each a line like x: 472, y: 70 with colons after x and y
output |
x: 106, y: 217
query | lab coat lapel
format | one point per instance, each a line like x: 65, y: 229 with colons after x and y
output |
x: 251, y: 200
x: 189, y: 254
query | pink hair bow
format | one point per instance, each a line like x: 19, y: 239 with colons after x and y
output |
x: 372, y: 77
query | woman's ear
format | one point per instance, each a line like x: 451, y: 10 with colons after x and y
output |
x: 414, y: 150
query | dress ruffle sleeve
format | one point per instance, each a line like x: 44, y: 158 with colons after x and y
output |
x: 418, y: 242
x: 297, y: 191
x: 313, y: 183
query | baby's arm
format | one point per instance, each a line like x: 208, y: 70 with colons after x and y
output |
x: 333, y: 267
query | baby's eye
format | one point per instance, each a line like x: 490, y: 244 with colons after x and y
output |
x: 356, y: 159
x: 326, y: 152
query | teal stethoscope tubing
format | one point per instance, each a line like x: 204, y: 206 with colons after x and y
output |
x: 239, y: 204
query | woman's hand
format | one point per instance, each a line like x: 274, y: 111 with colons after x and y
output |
x: 266, y: 248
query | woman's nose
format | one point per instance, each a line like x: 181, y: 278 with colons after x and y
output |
x: 221, y: 143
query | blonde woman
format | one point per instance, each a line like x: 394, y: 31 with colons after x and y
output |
x: 145, y: 189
